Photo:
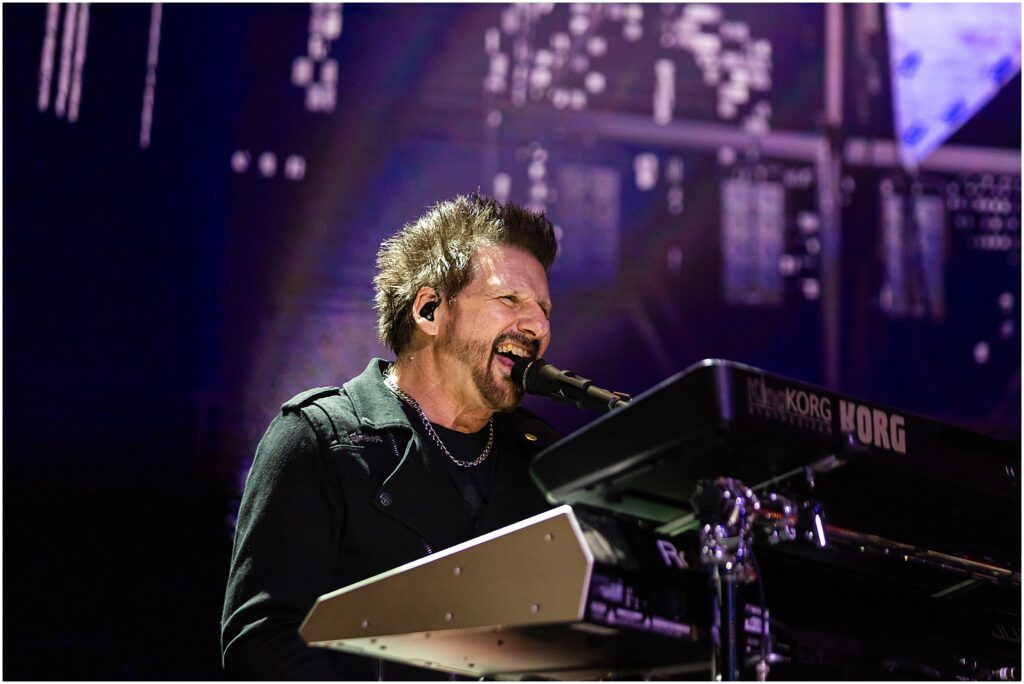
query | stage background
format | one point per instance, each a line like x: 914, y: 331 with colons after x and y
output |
x: 167, y: 286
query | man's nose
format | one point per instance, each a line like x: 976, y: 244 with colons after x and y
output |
x: 533, y: 322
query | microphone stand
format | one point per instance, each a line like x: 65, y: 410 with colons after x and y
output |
x: 537, y: 376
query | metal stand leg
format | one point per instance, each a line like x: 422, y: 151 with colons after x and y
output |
x: 728, y: 511
x: 729, y: 648
x: 727, y: 508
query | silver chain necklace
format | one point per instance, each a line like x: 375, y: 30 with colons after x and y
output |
x: 393, y: 386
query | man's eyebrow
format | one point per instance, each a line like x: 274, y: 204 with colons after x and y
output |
x: 543, y: 303
x: 504, y: 289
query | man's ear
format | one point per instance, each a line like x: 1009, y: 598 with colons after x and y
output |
x: 426, y: 310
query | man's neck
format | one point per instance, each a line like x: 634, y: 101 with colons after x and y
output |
x: 422, y: 376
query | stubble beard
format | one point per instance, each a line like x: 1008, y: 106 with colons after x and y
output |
x: 499, y: 394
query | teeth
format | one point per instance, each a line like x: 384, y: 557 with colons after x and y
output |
x: 512, y: 349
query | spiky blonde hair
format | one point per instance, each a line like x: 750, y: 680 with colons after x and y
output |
x: 437, y: 251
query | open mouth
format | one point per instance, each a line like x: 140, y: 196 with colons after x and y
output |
x: 508, y: 353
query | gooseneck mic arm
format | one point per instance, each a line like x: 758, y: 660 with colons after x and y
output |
x: 537, y: 376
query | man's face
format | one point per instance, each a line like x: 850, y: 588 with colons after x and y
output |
x: 502, y: 313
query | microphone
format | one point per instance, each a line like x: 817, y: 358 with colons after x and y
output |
x: 537, y: 376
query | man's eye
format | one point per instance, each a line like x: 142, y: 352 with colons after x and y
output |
x: 509, y: 298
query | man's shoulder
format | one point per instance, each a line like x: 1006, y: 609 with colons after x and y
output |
x: 330, y: 401
x: 308, y: 397
x: 326, y: 411
x: 529, y: 422
x: 334, y: 398
x: 334, y: 411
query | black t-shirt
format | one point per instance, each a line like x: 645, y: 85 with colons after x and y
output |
x: 474, y: 482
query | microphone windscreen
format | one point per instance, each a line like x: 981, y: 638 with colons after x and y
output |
x: 519, y: 370
x: 526, y: 374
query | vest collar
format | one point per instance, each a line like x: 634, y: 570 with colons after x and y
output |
x: 376, y: 406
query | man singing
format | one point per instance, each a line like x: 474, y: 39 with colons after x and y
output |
x: 407, y: 458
